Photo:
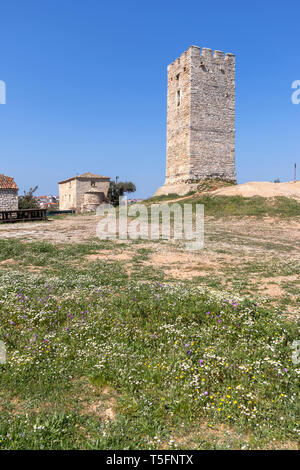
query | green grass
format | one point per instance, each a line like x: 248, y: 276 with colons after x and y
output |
x: 163, y: 197
x: 225, y: 206
x: 174, y: 357
x: 47, y: 254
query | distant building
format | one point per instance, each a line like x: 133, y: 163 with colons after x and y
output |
x: 8, y: 194
x: 83, y: 192
x: 47, y: 202
x: 134, y: 201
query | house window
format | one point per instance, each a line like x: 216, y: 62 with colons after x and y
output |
x: 178, y: 97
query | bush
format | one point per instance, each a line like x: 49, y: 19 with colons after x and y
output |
x: 118, y: 189
x: 28, y: 201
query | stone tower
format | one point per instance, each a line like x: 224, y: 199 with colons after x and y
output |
x: 200, y: 120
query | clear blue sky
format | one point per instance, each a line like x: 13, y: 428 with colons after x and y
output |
x: 86, y: 85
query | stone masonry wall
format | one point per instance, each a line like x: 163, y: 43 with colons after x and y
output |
x: 84, y: 185
x: 67, y: 195
x: 212, y: 124
x: 8, y: 199
x: 178, y: 119
x: 200, y: 119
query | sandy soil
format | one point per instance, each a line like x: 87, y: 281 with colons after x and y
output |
x: 263, y: 189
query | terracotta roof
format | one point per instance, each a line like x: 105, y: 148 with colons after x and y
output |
x: 91, y: 175
x: 85, y: 175
x: 7, y: 182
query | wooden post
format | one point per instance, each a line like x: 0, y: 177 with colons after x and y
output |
x: 295, y: 173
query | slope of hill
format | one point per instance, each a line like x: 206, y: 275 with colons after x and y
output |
x: 262, y: 189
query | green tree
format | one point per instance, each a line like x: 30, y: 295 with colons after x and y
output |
x: 117, y: 189
x: 28, y: 200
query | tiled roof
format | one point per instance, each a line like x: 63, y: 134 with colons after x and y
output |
x: 7, y: 182
x: 85, y: 175
x: 90, y: 175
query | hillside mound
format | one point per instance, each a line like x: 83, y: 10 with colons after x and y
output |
x: 262, y: 189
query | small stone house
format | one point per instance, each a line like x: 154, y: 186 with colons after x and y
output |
x: 83, y: 192
x: 8, y: 194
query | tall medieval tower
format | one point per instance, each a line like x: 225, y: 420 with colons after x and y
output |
x: 200, y: 120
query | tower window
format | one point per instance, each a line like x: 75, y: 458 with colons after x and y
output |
x: 178, y: 97
x: 93, y: 184
x: 177, y: 76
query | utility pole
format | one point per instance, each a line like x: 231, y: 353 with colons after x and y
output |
x: 295, y: 173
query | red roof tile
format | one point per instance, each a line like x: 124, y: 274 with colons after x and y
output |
x: 6, y: 182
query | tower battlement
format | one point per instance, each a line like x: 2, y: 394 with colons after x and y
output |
x: 200, y: 119
x: 205, y: 52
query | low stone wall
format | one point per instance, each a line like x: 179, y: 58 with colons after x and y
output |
x: 8, y: 199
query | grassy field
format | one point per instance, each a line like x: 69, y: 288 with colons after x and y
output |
x: 107, y: 350
x: 227, y: 206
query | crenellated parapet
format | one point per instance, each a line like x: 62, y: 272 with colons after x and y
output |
x: 204, y: 53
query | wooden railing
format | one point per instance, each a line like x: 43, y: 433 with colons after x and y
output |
x: 24, y: 215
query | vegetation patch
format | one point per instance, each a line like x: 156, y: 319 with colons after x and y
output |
x: 96, y: 360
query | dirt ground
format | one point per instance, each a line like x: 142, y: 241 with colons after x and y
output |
x: 249, y: 255
x: 263, y: 189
